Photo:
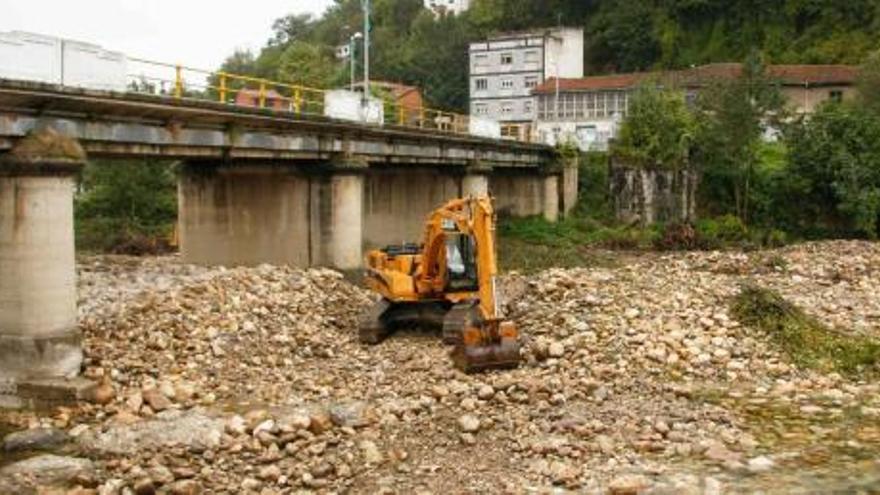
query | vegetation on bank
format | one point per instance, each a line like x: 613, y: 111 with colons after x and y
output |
x: 806, y: 341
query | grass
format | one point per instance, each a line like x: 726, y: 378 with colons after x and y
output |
x: 533, y: 244
x: 806, y: 341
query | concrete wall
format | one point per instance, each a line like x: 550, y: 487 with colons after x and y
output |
x: 398, y: 200
x: 244, y: 216
x: 517, y: 194
x: 650, y: 196
x: 807, y: 100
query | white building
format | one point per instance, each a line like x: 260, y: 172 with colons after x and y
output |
x: 48, y: 59
x: 450, y: 6
x: 505, y: 69
x: 586, y: 112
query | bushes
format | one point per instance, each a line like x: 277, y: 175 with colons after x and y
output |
x: 126, y: 207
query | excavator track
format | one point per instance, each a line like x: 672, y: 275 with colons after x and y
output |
x: 457, y: 320
x: 385, y: 317
x: 373, y: 328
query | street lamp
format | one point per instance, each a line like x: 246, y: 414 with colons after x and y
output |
x: 366, y: 6
x: 352, y: 45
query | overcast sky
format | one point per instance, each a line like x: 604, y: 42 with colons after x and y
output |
x: 199, y: 33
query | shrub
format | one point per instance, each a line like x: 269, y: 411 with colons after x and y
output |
x: 679, y: 237
x: 722, y: 231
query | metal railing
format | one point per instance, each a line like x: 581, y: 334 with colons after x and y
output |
x: 187, y: 83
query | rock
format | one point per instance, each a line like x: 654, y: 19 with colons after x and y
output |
x: 102, y: 394
x: 320, y: 422
x: 51, y: 470
x: 563, y: 473
x: 556, y: 350
x: 371, y: 452
x: 485, y: 392
x: 266, y: 426
x: 156, y: 400
x: 760, y: 464
x: 250, y: 484
x: 236, y: 425
x: 270, y: 473
x: 160, y: 474
x: 144, y: 486
x: 719, y: 453
x: 354, y: 414
x: 185, y: 487
x: 469, y: 423
x: 35, y: 439
x: 629, y: 484
x: 191, y: 429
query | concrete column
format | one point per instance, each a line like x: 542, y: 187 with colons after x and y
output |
x: 475, y: 185
x: 570, y: 183
x: 338, y: 217
x: 39, y: 338
x: 550, y: 197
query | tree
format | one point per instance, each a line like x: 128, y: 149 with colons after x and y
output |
x: 834, y: 169
x: 869, y: 83
x: 734, y: 117
x: 307, y: 64
x: 659, y: 129
x: 122, y: 199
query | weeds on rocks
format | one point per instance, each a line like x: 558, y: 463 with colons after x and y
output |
x: 807, y: 341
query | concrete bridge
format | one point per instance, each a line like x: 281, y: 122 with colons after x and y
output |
x: 255, y: 186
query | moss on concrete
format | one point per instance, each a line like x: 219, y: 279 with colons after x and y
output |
x: 47, y: 145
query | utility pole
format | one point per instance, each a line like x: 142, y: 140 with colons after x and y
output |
x: 352, y: 50
x: 367, y: 29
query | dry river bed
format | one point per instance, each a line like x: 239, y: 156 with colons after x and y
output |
x: 636, y: 380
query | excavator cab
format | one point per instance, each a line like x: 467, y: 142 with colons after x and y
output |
x: 449, y: 282
x: 461, y: 263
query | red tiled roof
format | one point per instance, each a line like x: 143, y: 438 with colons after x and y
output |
x: 790, y: 75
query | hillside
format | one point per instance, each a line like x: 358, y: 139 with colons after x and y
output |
x: 412, y: 46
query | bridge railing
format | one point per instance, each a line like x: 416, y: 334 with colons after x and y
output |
x: 187, y: 83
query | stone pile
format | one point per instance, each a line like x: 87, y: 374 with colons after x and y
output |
x: 636, y: 379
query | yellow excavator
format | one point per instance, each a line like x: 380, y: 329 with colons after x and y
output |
x: 448, y: 282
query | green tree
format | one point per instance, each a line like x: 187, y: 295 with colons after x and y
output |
x: 834, y: 170
x: 122, y: 199
x: 308, y: 64
x: 734, y: 116
x: 869, y: 83
x: 658, y: 131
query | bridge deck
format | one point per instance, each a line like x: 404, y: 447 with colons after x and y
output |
x: 129, y: 124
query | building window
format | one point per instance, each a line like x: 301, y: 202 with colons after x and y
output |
x: 481, y: 84
x: 528, y: 107
x: 532, y: 57
x: 531, y: 81
x: 507, y: 108
x: 481, y: 61
x: 507, y: 84
x: 836, y: 96
x: 481, y: 109
x: 506, y: 59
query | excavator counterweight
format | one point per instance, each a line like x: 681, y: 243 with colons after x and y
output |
x: 446, y: 283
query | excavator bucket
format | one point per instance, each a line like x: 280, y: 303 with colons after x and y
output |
x: 493, y: 346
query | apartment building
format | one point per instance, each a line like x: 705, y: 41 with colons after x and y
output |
x: 588, y: 111
x: 505, y: 69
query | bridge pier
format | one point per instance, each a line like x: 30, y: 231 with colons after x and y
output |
x: 39, y: 338
x: 337, y: 221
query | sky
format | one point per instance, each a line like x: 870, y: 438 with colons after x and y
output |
x: 197, y: 33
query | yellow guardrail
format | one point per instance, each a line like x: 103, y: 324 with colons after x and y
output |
x: 187, y: 83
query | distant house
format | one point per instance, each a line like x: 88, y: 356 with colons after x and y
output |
x: 448, y: 6
x: 404, y: 97
x: 251, y: 98
x: 589, y: 110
